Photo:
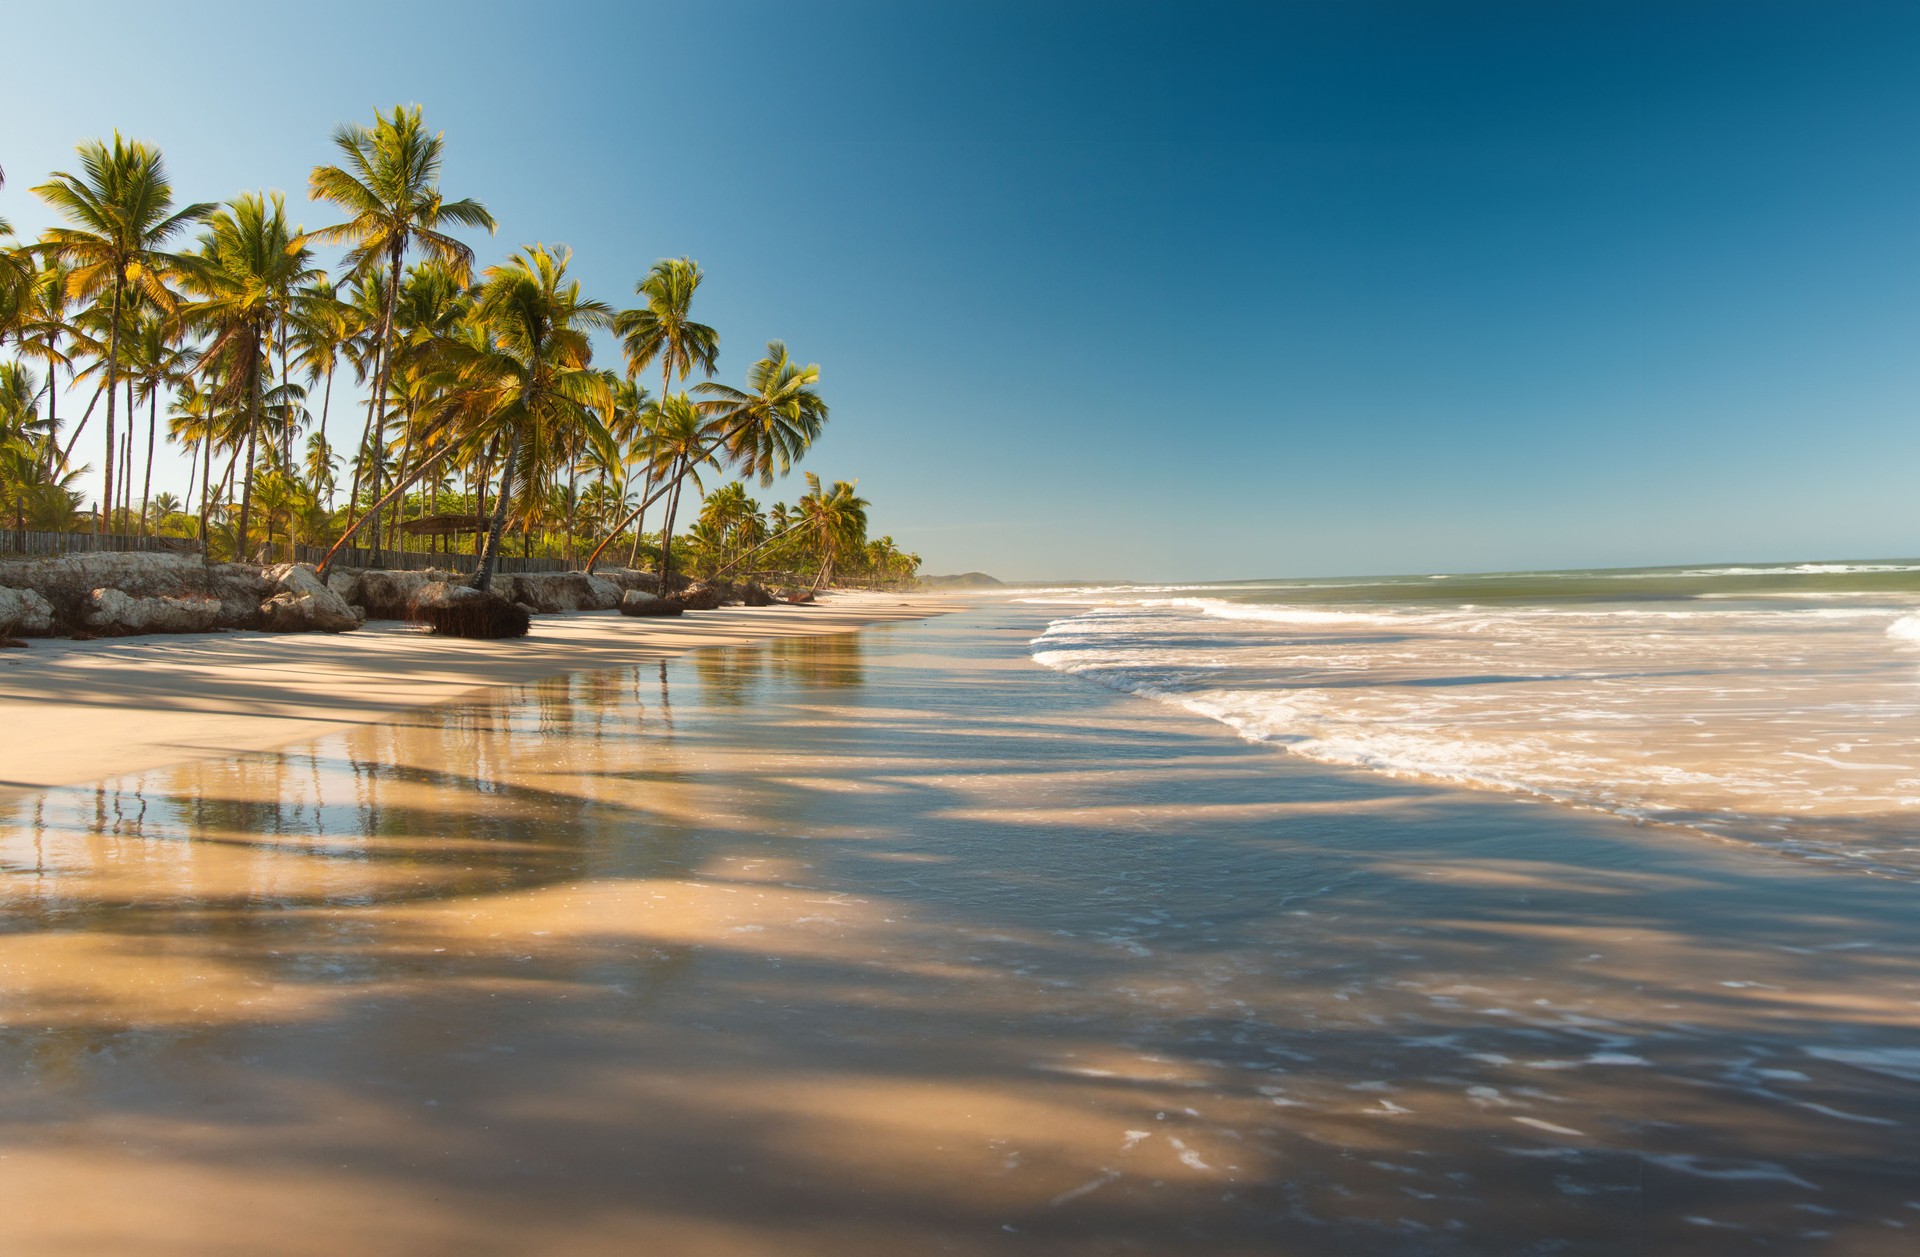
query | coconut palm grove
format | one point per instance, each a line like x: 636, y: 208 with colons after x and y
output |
x: 490, y: 431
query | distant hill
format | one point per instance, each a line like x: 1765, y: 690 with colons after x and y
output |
x: 966, y: 580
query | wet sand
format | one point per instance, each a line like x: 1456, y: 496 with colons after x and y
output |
x: 892, y: 942
x: 76, y: 711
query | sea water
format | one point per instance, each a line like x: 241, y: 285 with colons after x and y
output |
x: 1777, y: 703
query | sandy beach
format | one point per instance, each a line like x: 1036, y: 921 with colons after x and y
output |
x: 891, y: 941
x: 75, y: 711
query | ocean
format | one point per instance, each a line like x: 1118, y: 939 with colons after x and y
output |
x: 1762, y: 703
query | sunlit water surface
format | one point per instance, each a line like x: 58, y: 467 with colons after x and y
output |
x: 892, y: 942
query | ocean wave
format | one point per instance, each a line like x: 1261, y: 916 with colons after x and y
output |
x: 1780, y: 723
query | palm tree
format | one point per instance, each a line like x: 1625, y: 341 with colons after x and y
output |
x: 44, y: 330
x: 770, y: 425
x: 191, y: 421
x: 521, y: 377
x: 321, y: 466
x: 836, y: 519
x: 389, y: 186
x: 679, y: 442
x: 157, y: 361
x: 325, y: 328
x: 531, y: 376
x: 121, y: 208
x: 764, y: 429
x: 245, y: 276
x: 664, y: 327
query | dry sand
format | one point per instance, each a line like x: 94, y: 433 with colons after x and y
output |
x: 76, y: 711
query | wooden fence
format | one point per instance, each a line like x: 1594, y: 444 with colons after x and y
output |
x: 14, y: 542
x: 35, y: 544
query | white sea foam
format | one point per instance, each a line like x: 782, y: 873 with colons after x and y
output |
x: 1796, y: 724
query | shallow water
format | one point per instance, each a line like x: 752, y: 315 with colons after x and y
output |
x: 1776, y: 705
x: 891, y: 942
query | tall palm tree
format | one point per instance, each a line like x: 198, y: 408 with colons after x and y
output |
x: 250, y: 264
x: 158, y: 362
x: 121, y: 208
x: 389, y: 186
x: 192, y: 421
x: 321, y: 334
x: 664, y: 328
x: 321, y: 466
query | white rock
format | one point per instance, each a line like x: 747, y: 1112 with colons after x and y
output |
x: 113, y: 611
x: 24, y: 613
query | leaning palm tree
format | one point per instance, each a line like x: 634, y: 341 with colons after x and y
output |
x: 250, y: 264
x: 764, y: 429
x: 389, y: 186
x: 121, y: 208
x: 680, y: 441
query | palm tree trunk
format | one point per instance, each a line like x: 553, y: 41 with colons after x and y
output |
x: 153, y: 427
x: 385, y: 373
x: 206, y: 486
x: 126, y: 460
x: 326, y: 404
x: 483, y: 579
x: 246, y: 488
x: 666, y: 533
x: 66, y: 455
x: 113, y: 369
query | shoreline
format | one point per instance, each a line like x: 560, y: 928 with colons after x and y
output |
x: 78, y: 711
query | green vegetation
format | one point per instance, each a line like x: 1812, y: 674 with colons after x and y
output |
x: 489, y: 428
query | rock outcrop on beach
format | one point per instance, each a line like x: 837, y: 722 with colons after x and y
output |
x: 24, y: 613
x: 113, y: 594
x: 304, y: 603
x: 241, y: 588
x: 561, y: 591
x: 638, y: 602
x: 115, y: 613
x: 107, y: 593
x: 701, y: 596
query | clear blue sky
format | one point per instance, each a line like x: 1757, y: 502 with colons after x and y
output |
x: 1175, y: 290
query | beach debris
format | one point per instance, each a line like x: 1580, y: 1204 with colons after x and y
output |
x: 640, y: 603
x: 702, y: 596
x: 463, y: 611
